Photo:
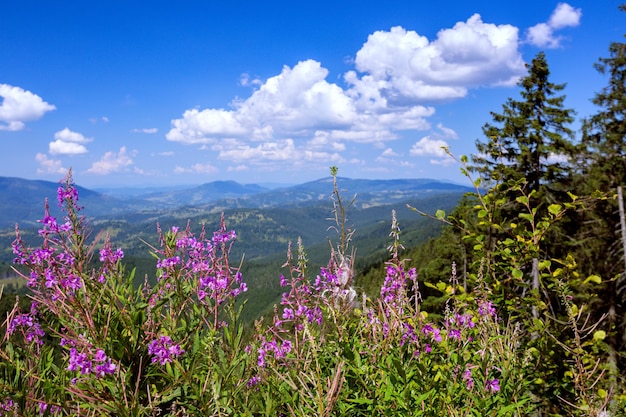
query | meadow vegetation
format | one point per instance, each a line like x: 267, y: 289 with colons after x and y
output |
x: 515, y: 309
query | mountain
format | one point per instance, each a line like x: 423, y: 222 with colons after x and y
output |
x: 266, y: 220
x: 22, y: 201
x: 369, y: 193
x: 212, y: 191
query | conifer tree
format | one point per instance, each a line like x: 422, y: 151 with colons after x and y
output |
x: 530, y: 140
x: 604, y: 133
x: 604, y: 169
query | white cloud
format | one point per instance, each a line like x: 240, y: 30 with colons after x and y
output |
x: 68, y: 143
x: 389, y: 153
x: 18, y: 106
x: 565, y: 16
x: 66, y: 135
x: 49, y: 166
x: 197, y: 169
x: 245, y: 80
x: 298, y: 115
x: 149, y: 131
x: 542, y: 34
x: 112, y: 162
x: 283, y: 150
x: 428, y: 146
x: 59, y: 147
x: 238, y: 168
x: 404, y: 65
x: 298, y: 102
x: 447, y: 132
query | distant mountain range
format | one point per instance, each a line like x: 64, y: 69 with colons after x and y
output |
x: 22, y: 200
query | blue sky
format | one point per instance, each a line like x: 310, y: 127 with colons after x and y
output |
x: 156, y: 93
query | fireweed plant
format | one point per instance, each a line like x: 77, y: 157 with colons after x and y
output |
x: 94, y: 344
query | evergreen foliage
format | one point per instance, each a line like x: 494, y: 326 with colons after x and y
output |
x: 530, y: 140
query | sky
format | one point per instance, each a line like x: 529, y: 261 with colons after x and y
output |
x: 133, y: 94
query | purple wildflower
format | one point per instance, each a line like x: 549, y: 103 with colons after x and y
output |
x: 454, y: 334
x: 254, y: 381
x: 467, y: 377
x: 492, y: 385
x: 164, y: 350
x: 68, y: 193
x: 485, y: 308
x: 29, y: 327
x: 107, y: 255
x: 84, y: 361
x: 8, y: 405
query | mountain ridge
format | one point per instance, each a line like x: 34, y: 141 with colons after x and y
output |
x: 22, y: 200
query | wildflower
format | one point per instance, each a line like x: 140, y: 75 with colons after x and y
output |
x: 467, y: 377
x: 288, y: 314
x: 492, y: 385
x: 434, y: 332
x: 168, y: 262
x: 254, y: 381
x: 454, y: 334
x: 164, y: 350
x: 79, y: 362
x: 485, y: 308
x: 86, y: 361
x: 108, y: 256
x: 261, y: 358
x: 29, y: 326
x: 283, y: 281
x: 68, y: 193
x: 8, y: 406
x: 43, y: 407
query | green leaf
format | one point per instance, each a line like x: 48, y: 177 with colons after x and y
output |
x: 518, y: 274
x: 599, y: 335
x: 544, y: 264
x: 440, y: 214
x: 554, y: 209
x: 526, y: 216
x: 593, y: 278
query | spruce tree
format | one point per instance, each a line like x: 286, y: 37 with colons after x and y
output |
x: 604, y: 133
x: 604, y: 169
x: 530, y: 140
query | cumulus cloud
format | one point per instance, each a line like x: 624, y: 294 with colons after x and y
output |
x: 398, y: 77
x: 18, y: 106
x: 428, y: 146
x: 403, y: 65
x: 112, y: 162
x: 197, y: 169
x: 542, y: 34
x: 68, y: 143
x: 49, y: 166
x: 387, y: 153
x: 447, y: 132
x: 150, y: 130
x: 238, y: 168
x: 246, y: 80
x: 298, y: 102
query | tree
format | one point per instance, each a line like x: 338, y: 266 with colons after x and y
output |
x: 530, y: 140
x: 604, y: 133
x: 603, y: 163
